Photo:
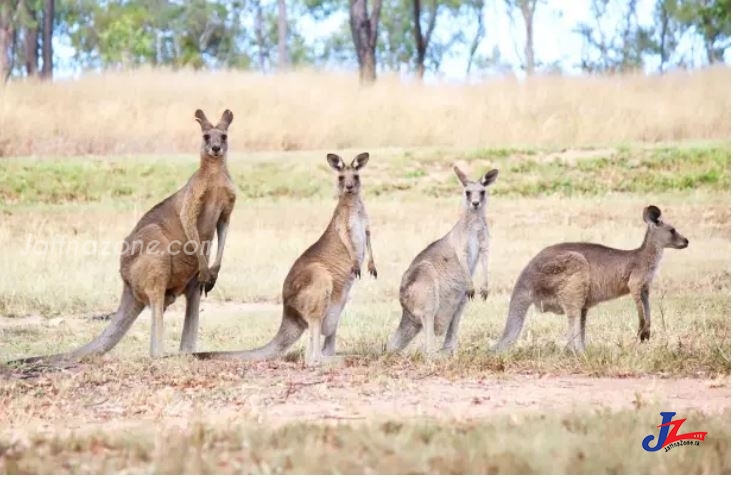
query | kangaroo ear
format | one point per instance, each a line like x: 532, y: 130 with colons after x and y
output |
x: 489, y: 177
x: 461, y: 176
x: 201, y: 118
x: 360, y: 160
x: 335, y: 161
x: 652, y: 215
x: 226, y: 120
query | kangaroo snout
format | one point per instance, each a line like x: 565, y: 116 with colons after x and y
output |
x: 475, y: 204
x: 215, y: 149
x: 684, y: 243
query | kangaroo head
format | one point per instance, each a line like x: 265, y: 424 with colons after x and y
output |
x: 661, y: 234
x: 214, y: 138
x: 348, y: 176
x: 475, y: 192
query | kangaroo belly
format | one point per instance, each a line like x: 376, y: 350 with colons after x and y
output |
x: 606, y: 293
x: 357, y: 227
x: 472, y: 259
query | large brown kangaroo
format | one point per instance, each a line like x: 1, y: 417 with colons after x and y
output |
x: 167, y: 253
x: 317, y: 286
x: 570, y: 278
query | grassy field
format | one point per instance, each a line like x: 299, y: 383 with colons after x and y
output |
x: 574, y: 443
x: 306, y: 110
x: 123, y: 412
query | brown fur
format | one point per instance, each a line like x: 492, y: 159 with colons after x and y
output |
x: 571, y: 278
x: 155, y: 276
x: 317, y: 286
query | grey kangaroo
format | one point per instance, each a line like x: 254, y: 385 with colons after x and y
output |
x: 317, y: 286
x: 570, y: 278
x: 439, y: 280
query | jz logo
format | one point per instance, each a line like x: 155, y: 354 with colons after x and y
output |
x: 668, y: 437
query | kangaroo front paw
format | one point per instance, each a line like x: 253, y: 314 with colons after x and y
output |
x: 203, y: 277
x: 372, y: 269
x: 356, y: 270
x: 484, y: 292
x: 644, y: 335
x: 470, y: 292
x: 213, y: 275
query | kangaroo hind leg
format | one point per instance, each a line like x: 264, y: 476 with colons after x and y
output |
x: 191, y: 321
x: 312, y: 302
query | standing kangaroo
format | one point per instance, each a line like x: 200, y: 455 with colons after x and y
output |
x: 570, y: 278
x: 438, y: 282
x: 167, y: 253
x: 317, y: 286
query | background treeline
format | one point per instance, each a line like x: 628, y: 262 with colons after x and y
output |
x: 406, y: 36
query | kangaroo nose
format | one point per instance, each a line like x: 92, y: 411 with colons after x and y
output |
x: 475, y: 204
x: 687, y: 242
x: 349, y: 187
x: 216, y: 148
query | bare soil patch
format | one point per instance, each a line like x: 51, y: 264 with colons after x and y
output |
x: 283, y: 392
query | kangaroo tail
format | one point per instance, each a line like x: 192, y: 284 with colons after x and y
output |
x: 290, y: 330
x: 129, y: 309
x: 518, y: 306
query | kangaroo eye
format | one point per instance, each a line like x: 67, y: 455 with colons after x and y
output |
x: 207, y: 137
x: 483, y: 193
x: 341, y: 178
x: 672, y: 231
x: 468, y: 195
x: 223, y: 137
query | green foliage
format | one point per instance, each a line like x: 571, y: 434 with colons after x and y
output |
x: 526, y: 173
x: 244, y: 33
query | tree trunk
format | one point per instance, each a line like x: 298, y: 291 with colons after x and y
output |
x: 527, y: 7
x: 664, y: 20
x: 7, y: 38
x: 283, y: 54
x: 478, y: 36
x: 48, y: 16
x: 259, y: 35
x: 419, y: 40
x: 364, y: 29
x: 30, y: 39
x: 422, y: 40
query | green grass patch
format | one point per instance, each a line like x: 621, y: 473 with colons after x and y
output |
x: 524, y: 173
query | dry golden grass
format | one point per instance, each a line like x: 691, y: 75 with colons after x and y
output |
x: 152, y: 111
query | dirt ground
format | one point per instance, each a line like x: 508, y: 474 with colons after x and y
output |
x: 127, y: 389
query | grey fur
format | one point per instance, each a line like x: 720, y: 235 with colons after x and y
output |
x: 571, y: 278
x: 439, y: 280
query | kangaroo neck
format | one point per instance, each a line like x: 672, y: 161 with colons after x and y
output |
x: 649, y: 251
x: 471, y: 216
x: 213, y: 165
x: 468, y: 220
x: 347, y: 201
x: 346, y: 205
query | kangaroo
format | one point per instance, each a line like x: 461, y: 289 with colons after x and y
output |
x: 438, y: 282
x: 167, y: 253
x: 318, y: 284
x: 570, y: 278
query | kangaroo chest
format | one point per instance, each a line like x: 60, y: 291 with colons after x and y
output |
x: 476, y: 233
x: 215, y: 203
x: 357, y: 232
